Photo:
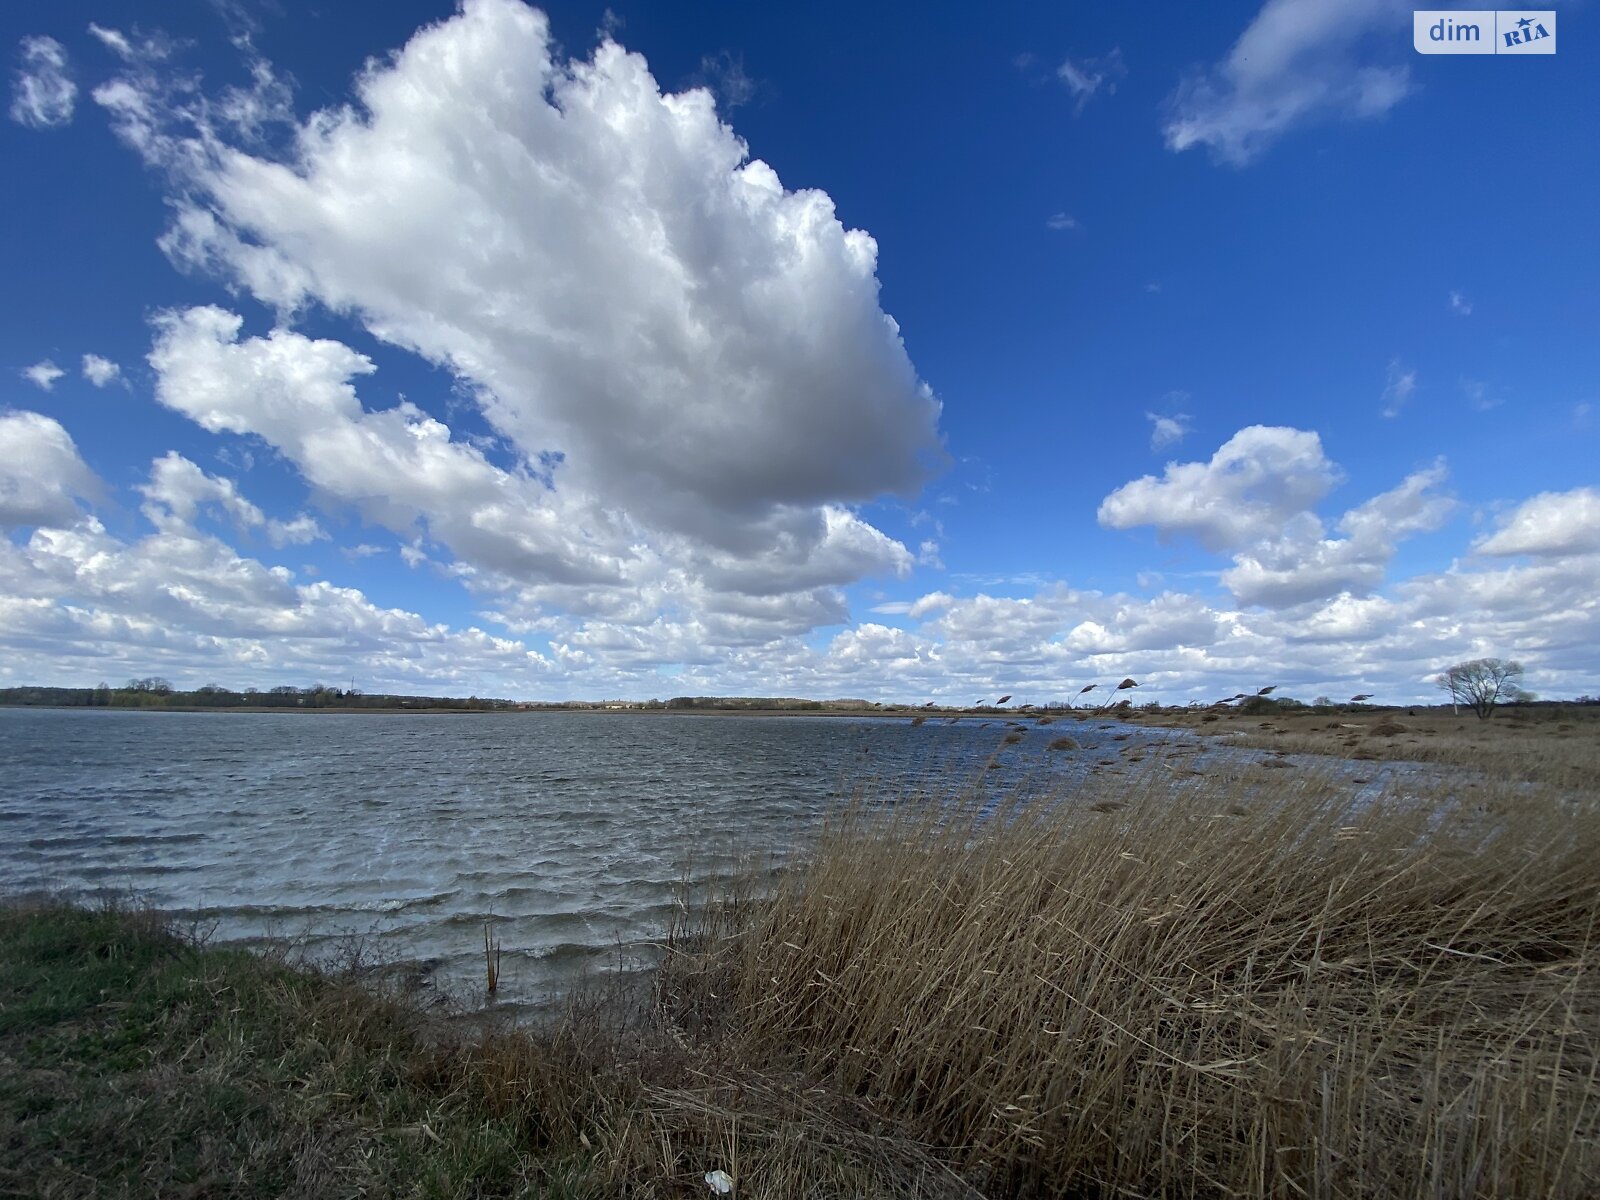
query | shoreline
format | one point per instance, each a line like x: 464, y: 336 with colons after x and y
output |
x: 434, y: 710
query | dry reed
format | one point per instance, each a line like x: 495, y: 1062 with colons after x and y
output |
x: 1244, y: 986
x: 491, y: 959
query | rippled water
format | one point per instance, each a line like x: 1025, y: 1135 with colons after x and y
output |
x: 573, y: 831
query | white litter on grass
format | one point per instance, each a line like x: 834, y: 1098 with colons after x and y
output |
x: 721, y: 1182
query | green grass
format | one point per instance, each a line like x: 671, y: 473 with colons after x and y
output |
x: 137, y: 1063
x: 134, y: 1063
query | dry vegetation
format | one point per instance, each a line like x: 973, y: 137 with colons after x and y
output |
x: 1180, y: 981
x: 1256, y: 988
x: 1558, y: 745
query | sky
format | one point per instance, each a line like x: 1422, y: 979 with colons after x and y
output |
x: 655, y: 350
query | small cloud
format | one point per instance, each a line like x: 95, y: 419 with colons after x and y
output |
x: 43, y: 374
x: 364, y: 550
x: 1479, y: 395
x: 150, y: 49
x: 1061, y: 220
x: 113, y: 40
x: 44, y: 94
x: 301, y: 531
x: 1167, y: 431
x: 1153, y: 287
x: 1582, y: 415
x: 1299, y: 62
x: 1460, y: 305
x: 1025, y: 60
x: 928, y: 555
x: 610, y: 24
x: 725, y: 75
x: 1088, y: 77
x: 892, y: 608
x: 1399, y: 386
x: 237, y: 459
x: 100, y: 371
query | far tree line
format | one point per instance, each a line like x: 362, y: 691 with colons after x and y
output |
x: 156, y: 692
x: 1480, y: 685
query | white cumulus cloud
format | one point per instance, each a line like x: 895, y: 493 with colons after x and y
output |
x: 1260, y: 478
x: 1551, y: 524
x: 1301, y: 564
x: 605, y: 265
x: 79, y: 603
x: 398, y: 467
x: 1256, y: 499
x: 1167, y: 430
x: 178, y: 491
x: 100, y: 371
x: 40, y: 472
x: 518, y: 533
x: 43, y: 374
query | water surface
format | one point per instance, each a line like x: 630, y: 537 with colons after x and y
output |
x: 572, y: 832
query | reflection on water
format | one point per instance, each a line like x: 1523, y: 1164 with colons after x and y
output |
x: 574, y: 832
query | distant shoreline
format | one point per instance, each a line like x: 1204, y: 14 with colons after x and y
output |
x: 440, y: 710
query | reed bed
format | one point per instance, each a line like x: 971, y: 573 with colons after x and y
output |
x: 1253, y: 986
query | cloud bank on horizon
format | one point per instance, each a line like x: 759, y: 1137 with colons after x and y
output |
x: 675, y: 444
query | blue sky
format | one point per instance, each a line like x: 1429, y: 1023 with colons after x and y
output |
x: 641, y: 351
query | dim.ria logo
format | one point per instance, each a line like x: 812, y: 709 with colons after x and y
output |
x: 1484, y: 31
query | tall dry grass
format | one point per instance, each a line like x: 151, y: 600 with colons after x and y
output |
x: 1252, y: 987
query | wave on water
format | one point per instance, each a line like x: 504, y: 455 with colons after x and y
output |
x: 571, y: 836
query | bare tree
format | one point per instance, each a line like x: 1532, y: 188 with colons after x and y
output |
x: 1482, y: 683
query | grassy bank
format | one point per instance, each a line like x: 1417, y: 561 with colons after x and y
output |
x: 1165, y: 984
x: 136, y: 1063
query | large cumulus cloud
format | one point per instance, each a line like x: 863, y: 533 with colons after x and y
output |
x: 605, y: 264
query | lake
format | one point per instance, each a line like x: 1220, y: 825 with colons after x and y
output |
x: 572, y: 832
